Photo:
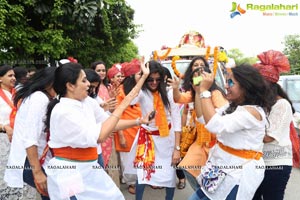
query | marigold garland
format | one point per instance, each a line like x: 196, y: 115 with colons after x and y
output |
x: 155, y: 56
x: 215, y: 60
x: 173, y: 65
x: 207, y: 52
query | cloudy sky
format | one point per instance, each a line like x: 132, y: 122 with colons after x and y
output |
x: 165, y: 21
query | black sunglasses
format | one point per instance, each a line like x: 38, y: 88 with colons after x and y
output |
x: 151, y: 80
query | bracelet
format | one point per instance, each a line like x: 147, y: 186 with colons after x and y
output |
x: 137, y: 121
x: 113, y: 115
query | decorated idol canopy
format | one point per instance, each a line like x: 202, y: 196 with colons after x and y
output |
x: 190, y: 45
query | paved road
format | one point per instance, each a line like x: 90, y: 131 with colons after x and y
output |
x: 292, y: 190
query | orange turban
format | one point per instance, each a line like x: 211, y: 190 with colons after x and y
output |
x: 272, y: 63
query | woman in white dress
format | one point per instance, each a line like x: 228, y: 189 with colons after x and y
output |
x: 7, y: 114
x: 157, y: 143
x: 278, y: 154
x: 29, y: 142
x: 240, y: 129
x: 77, y: 124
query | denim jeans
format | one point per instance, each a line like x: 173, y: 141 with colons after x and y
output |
x: 100, y: 160
x: 274, y: 183
x: 199, y: 195
x: 192, y: 180
x: 139, y: 191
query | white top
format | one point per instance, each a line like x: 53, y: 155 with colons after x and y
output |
x: 279, y: 151
x: 145, y: 98
x: 164, y: 175
x: 5, y: 109
x: 28, y: 131
x: 78, y: 121
x: 77, y: 124
x: 239, y: 130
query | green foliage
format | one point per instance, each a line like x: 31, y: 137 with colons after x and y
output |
x: 38, y: 30
x: 111, y: 31
x: 239, y: 57
x: 292, y: 50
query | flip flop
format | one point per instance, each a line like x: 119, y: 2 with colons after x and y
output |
x: 181, y: 185
x: 131, y: 189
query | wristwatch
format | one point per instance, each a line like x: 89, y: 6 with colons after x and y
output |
x: 177, y: 148
x: 205, y: 94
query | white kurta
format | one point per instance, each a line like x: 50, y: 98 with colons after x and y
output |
x: 164, y: 175
x: 239, y: 130
x: 5, y: 191
x: 28, y: 131
x: 77, y: 124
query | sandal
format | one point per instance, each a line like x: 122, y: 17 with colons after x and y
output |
x: 131, y: 189
x: 181, y: 185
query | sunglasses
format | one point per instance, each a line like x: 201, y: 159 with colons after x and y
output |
x: 151, y: 80
x: 230, y: 83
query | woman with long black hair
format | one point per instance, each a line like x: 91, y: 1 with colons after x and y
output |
x: 77, y: 125
x: 30, y: 136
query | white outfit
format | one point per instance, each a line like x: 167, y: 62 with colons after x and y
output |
x: 77, y: 124
x: 279, y: 151
x: 28, y: 131
x: 99, y: 100
x: 238, y: 130
x: 164, y: 175
x: 128, y: 178
x: 8, y: 191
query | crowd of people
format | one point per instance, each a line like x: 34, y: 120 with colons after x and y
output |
x: 70, y: 132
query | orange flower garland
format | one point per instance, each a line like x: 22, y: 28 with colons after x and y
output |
x: 207, y: 52
x: 215, y: 60
x: 155, y: 56
x: 177, y: 73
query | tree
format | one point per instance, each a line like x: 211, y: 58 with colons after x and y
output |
x: 38, y: 32
x: 239, y: 57
x: 292, y: 50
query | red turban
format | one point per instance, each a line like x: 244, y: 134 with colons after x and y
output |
x: 123, y: 67
x: 132, y: 68
x: 272, y: 63
x: 116, y: 68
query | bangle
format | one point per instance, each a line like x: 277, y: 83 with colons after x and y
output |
x: 137, y: 121
x: 113, y: 115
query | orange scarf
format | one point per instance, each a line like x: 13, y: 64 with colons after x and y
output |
x: 203, y: 135
x: 13, y: 113
x: 145, y: 154
x: 160, y: 116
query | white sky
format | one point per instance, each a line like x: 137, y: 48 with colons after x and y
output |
x: 164, y: 22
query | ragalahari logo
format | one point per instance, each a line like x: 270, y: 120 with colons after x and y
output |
x: 236, y: 10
